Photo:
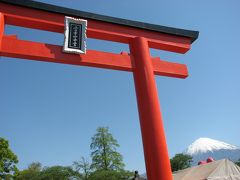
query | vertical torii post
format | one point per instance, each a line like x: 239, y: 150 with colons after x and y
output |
x: 140, y: 37
x: 155, y: 147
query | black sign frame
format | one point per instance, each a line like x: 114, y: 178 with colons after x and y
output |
x: 75, y: 35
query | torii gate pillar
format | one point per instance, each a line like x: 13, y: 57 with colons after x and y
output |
x: 155, y: 147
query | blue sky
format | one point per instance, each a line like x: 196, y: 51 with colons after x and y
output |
x: 49, y: 112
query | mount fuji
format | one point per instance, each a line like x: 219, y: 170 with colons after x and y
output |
x: 203, y: 148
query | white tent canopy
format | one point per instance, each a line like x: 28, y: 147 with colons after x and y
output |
x: 217, y: 170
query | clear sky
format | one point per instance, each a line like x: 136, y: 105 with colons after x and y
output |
x: 49, y: 112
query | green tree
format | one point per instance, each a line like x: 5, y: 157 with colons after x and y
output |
x: 110, y: 175
x: 8, y: 160
x: 59, y: 173
x: 104, y: 154
x: 180, y: 161
x: 31, y: 173
x: 36, y: 172
x: 35, y: 166
x: 84, y: 167
x: 238, y: 163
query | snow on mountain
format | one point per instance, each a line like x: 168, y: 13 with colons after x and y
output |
x: 203, y: 145
x: 203, y: 148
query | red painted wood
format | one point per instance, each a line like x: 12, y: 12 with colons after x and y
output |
x: 12, y: 36
x: 13, y: 47
x: 154, y: 141
x: 1, y: 29
x: 170, y: 69
x: 53, y: 53
x: 31, y: 18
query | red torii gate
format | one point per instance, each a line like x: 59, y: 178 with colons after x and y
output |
x: 140, y: 37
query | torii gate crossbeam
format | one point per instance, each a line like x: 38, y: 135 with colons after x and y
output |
x: 140, y: 37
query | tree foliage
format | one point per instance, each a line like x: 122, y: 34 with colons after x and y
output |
x: 8, y: 160
x: 84, y: 167
x: 238, y: 163
x: 59, y: 173
x: 180, y: 161
x: 31, y: 173
x: 110, y: 175
x: 104, y: 154
x: 35, y: 172
x: 35, y: 166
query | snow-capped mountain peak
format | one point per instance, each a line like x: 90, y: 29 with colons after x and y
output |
x: 203, y: 145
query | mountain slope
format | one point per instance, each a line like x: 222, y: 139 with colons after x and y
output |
x: 203, y: 148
